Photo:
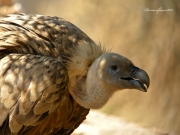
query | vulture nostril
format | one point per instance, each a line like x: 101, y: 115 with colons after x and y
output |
x: 133, y: 71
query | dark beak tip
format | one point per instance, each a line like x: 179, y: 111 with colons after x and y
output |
x: 143, y: 78
x: 145, y: 90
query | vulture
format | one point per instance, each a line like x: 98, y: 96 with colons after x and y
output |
x: 52, y: 74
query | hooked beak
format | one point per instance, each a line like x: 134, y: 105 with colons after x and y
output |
x: 138, y: 78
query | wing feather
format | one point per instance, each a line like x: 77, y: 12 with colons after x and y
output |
x: 30, y: 99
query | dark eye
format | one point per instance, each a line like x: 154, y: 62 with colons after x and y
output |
x: 114, y: 68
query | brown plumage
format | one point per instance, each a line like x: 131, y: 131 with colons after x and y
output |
x: 51, y: 74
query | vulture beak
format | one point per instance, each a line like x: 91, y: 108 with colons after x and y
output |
x: 138, y: 78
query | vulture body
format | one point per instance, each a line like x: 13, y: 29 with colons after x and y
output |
x: 52, y: 74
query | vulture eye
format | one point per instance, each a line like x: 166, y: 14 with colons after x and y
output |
x: 114, y: 68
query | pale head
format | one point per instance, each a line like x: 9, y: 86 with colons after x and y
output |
x: 107, y: 74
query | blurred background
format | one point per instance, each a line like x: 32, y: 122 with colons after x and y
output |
x: 151, y: 40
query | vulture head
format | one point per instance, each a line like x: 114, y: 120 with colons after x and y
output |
x: 106, y: 74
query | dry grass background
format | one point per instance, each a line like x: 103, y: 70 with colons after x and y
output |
x: 150, y: 40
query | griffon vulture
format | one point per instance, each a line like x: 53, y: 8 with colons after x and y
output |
x: 52, y: 74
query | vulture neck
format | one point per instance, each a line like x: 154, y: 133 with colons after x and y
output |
x: 83, y: 86
x: 90, y: 92
x: 97, y: 93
